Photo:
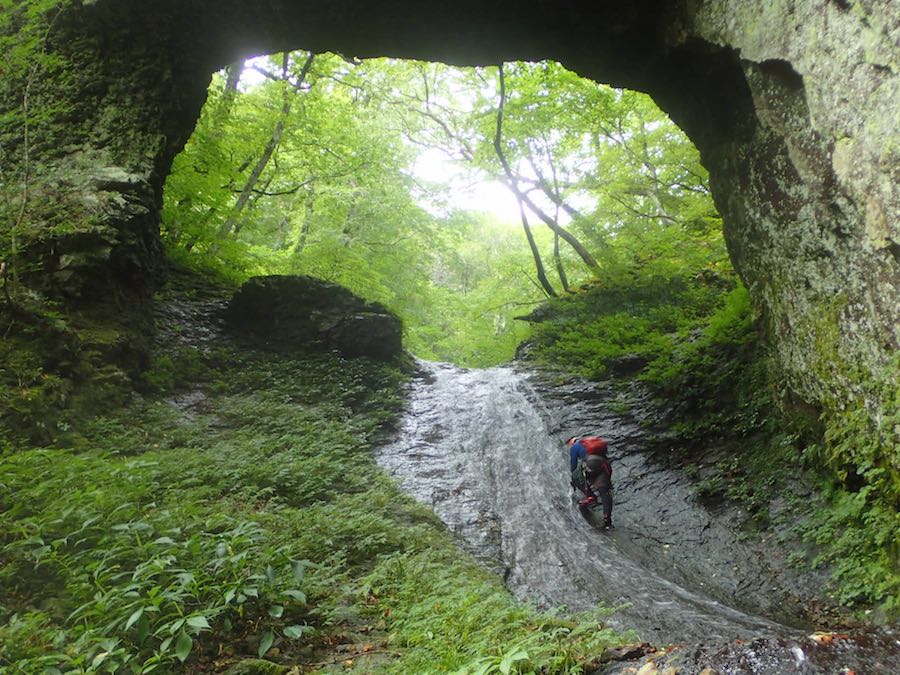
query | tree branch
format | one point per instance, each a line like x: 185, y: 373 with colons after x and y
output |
x: 522, y: 197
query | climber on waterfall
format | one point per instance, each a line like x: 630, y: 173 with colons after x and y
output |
x: 591, y: 473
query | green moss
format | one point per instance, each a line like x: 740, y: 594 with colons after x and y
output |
x: 257, y: 667
x: 155, y: 535
x: 171, y: 371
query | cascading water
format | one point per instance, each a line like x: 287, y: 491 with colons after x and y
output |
x: 485, y: 449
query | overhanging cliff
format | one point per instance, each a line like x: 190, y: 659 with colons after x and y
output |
x: 793, y: 105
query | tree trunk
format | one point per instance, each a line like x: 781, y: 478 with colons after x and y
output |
x: 349, y: 220
x: 512, y: 184
x: 538, y: 264
x: 307, y: 220
x: 247, y: 191
x: 557, y: 258
x: 560, y: 270
x: 233, y: 73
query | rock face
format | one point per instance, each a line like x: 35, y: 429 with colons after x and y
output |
x: 792, y: 103
x: 291, y: 313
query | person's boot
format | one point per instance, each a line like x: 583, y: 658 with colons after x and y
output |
x: 607, y: 523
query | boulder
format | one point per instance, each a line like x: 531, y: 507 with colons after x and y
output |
x: 299, y: 313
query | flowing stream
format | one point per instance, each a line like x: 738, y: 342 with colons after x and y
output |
x: 485, y: 449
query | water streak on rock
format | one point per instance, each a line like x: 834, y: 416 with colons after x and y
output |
x: 484, y: 448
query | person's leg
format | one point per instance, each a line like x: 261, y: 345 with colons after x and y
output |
x: 603, y: 487
x: 606, y: 499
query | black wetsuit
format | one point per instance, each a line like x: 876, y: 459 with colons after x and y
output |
x: 597, y: 482
x: 601, y: 485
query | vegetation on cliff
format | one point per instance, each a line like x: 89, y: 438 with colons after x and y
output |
x: 235, y: 509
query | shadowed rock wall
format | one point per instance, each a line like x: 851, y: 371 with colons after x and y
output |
x: 296, y: 313
x: 792, y: 103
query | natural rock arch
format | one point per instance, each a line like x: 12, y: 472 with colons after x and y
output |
x: 792, y: 104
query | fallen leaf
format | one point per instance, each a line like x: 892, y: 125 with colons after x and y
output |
x: 822, y: 638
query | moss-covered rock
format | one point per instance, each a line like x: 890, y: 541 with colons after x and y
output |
x: 256, y: 667
x: 297, y: 313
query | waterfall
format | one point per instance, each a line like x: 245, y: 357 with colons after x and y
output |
x: 484, y: 448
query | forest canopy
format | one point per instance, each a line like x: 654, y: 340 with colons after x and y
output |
x: 317, y: 164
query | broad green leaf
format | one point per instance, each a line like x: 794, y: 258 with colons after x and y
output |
x: 183, y: 646
x: 299, y: 569
x: 135, y: 615
x: 275, y: 611
x: 199, y: 622
x: 510, y: 659
x: 294, y: 632
x: 266, y: 642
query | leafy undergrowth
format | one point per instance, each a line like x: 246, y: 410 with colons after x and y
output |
x: 249, y: 519
x: 729, y: 424
x: 44, y: 353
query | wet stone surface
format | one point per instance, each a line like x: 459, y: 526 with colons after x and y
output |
x: 486, y: 449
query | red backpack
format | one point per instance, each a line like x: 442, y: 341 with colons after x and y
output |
x: 594, y: 445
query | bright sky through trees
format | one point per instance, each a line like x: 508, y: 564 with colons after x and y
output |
x: 432, y: 166
x: 393, y: 179
x: 485, y: 196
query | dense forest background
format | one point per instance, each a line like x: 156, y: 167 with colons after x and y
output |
x: 317, y: 168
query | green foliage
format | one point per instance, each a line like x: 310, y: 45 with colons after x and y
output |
x: 337, y: 200
x: 858, y: 527
x: 135, y: 575
x: 858, y: 538
x: 29, y: 114
x: 34, y: 333
x: 469, y: 624
x: 256, y: 517
x: 656, y: 321
x: 338, y: 203
x: 170, y: 371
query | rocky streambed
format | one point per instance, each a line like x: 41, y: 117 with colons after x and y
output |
x: 485, y: 449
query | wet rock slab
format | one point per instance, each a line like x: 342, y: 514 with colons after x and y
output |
x: 486, y: 450
x: 859, y: 653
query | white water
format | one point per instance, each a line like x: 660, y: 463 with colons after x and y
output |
x: 480, y: 448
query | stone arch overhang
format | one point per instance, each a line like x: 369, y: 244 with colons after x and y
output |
x: 792, y: 105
